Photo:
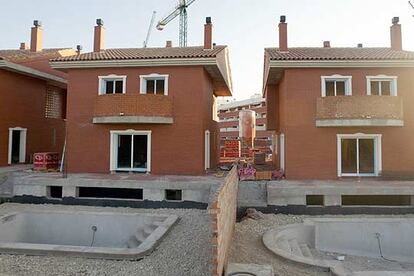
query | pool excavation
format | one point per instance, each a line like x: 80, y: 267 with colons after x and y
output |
x: 328, y: 242
x: 83, y: 234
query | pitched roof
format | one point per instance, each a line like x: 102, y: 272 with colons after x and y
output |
x: 339, y: 54
x: 17, y: 55
x: 146, y: 53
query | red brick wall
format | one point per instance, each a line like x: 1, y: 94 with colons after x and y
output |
x: 177, y: 148
x: 359, y: 107
x: 223, y: 211
x: 133, y: 105
x: 22, y: 104
x: 311, y: 151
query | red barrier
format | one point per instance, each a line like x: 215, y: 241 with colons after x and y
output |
x: 46, y: 161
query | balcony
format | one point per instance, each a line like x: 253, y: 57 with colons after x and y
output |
x: 133, y: 109
x: 343, y: 111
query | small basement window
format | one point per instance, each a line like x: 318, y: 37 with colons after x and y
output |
x: 113, y: 193
x: 314, y: 200
x: 112, y: 84
x: 154, y: 84
x: 336, y: 85
x: 54, y: 191
x: 376, y: 200
x: 175, y: 195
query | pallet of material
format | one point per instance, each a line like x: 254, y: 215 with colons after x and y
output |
x: 263, y: 175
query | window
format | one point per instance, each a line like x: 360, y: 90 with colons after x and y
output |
x: 54, y: 191
x: 112, y: 84
x: 173, y: 195
x: 109, y: 193
x: 359, y: 154
x: 130, y: 150
x: 154, y: 84
x: 336, y: 85
x: 382, y: 85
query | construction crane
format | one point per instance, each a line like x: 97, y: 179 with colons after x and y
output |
x: 180, y: 9
x: 150, y: 29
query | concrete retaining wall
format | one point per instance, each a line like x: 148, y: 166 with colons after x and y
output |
x: 153, y: 190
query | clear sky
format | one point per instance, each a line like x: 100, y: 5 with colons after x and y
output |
x: 246, y: 26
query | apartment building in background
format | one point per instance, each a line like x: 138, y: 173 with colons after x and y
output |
x: 229, y: 121
x: 33, y: 100
x: 146, y: 110
x: 341, y: 112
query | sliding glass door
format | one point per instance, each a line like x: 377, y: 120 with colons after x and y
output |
x: 130, y: 151
x: 358, y: 156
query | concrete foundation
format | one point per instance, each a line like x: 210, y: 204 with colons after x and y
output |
x: 288, y: 192
x: 194, y: 189
x: 252, y: 193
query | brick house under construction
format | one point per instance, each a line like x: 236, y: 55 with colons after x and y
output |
x: 144, y: 109
x: 350, y: 115
x: 33, y: 101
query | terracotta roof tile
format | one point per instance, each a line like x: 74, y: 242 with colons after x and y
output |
x: 339, y: 54
x: 16, y: 55
x: 146, y: 53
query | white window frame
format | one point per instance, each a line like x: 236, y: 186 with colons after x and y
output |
x: 377, y: 153
x: 143, y: 82
x: 111, y: 77
x: 22, y: 146
x: 347, y: 79
x: 113, y: 149
x: 393, y: 80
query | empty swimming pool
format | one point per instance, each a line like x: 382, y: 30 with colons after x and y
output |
x: 109, y: 235
x: 364, y: 243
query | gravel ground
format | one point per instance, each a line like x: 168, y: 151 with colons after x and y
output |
x: 185, y: 250
x: 247, y: 247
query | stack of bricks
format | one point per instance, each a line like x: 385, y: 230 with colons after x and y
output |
x: 231, y: 149
x: 263, y: 146
x: 223, y: 211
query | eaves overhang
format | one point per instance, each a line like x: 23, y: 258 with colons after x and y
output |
x: 64, y: 65
x: 339, y: 63
x: 28, y: 71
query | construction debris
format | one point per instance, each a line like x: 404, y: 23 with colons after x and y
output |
x: 247, y: 173
x: 252, y: 213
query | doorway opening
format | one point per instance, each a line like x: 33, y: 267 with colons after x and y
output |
x: 17, y: 145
